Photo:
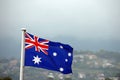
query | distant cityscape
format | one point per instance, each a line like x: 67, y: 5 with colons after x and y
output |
x: 87, y: 65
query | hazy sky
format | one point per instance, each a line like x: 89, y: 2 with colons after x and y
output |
x: 80, y: 19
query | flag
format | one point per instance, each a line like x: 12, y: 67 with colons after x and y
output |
x: 42, y: 53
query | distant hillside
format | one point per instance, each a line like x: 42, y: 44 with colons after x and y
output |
x: 86, y: 65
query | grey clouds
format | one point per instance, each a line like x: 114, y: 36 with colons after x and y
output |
x: 92, y: 23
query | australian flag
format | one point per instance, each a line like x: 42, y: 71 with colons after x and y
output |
x: 47, y: 54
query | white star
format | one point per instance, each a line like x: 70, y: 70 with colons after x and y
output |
x: 61, y: 69
x: 69, y: 54
x: 54, y: 54
x: 66, y: 60
x: 36, y: 59
x: 61, y: 47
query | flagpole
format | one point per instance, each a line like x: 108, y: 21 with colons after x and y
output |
x: 22, y: 54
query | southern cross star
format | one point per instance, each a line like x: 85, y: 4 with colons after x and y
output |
x: 36, y: 60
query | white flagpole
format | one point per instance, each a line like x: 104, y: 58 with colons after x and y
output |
x: 22, y: 54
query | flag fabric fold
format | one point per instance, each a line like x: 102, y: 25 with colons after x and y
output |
x: 47, y: 54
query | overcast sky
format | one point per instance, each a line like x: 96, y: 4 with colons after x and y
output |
x: 79, y: 19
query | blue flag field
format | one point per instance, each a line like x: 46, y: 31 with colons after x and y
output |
x: 42, y: 53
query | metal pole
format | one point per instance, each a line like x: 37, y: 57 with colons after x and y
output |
x: 22, y: 54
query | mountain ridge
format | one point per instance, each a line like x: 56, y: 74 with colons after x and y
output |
x: 10, y: 47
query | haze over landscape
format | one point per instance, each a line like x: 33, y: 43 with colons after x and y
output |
x: 84, y: 24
